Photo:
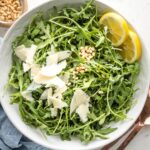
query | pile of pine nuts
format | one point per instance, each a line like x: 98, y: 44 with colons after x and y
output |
x: 10, y: 10
x: 80, y: 69
x: 87, y: 52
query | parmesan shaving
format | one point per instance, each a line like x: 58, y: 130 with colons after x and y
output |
x: 83, y: 111
x: 26, y: 55
x: 79, y: 97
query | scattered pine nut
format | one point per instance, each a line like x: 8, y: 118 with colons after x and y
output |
x: 87, y: 52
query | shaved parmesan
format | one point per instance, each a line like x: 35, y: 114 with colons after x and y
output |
x: 83, y: 111
x: 49, y: 81
x: 26, y: 67
x: 79, y: 97
x: 49, y: 95
x: 50, y: 92
x: 54, y: 99
x: 44, y: 95
x: 65, y: 77
x: 50, y: 71
x: 33, y: 86
x: 59, y: 96
x: 21, y: 52
x: 31, y: 52
x: 26, y: 54
x: 54, y: 112
x: 54, y: 69
x: 63, y: 55
x: 55, y: 57
x: 56, y: 81
x: 57, y: 103
x: 52, y: 59
x: 62, y: 64
x: 47, y: 75
x: 27, y: 95
x: 41, y: 79
x: 35, y: 69
x: 59, y: 91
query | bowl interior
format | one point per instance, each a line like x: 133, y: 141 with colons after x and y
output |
x: 55, y: 142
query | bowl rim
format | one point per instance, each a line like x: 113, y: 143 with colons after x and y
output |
x: 5, y: 24
x: 96, y: 145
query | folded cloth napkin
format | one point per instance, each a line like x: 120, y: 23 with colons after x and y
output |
x: 8, y: 133
x: 11, y: 138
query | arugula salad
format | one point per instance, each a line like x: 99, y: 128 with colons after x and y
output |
x: 67, y: 77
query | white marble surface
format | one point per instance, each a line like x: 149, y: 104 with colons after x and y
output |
x: 138, y: 13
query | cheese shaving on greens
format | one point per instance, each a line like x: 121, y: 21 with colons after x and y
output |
x: 27, y: 94
x: 53, y: 70
x: 52, y: 59
x: 56, y: 57
x: 57, y: 102
x: 26, y: 67
x: 79, y: 97
x: 26, y: 55
x: 83, y: 111
x: 54, y: 112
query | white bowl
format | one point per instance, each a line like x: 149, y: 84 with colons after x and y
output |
x: 55, y: 142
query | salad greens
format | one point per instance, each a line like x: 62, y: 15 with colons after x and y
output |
x: 108, y: 80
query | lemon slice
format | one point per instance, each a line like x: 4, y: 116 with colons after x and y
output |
x: 117, y: 26
x: 131, y: 48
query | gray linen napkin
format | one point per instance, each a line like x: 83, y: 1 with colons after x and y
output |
x: 12, y: 139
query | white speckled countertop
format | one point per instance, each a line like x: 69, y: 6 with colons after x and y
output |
x: 138, y: 13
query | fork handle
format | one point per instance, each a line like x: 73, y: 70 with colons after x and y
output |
x: 136, y: 128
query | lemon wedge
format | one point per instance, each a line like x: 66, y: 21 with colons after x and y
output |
x: 131, y: 47
x: 118, y: 27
